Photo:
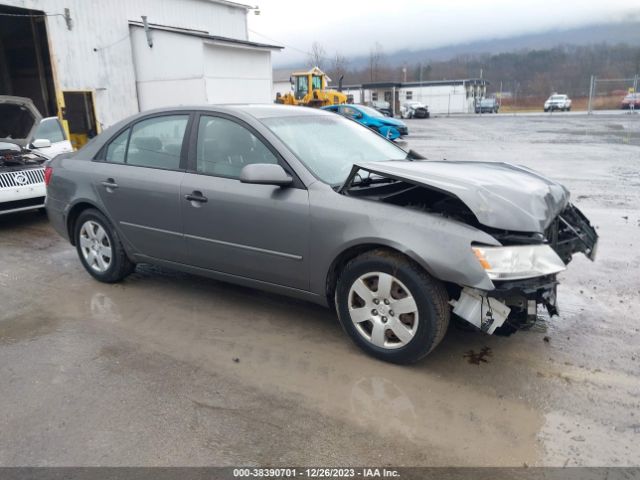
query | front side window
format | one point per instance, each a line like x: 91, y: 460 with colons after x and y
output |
x: 316, y: 82
x: 117, y: 149
x: 157, y: 142
x: 50, y: 129
x: 225, y: 147
x: 302, y: 86
x: 329, y: 145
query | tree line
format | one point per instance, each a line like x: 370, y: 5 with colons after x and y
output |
x: 535, y: 72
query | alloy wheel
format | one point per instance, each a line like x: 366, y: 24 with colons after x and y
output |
x: 95, y: 246
x: 383, y: 310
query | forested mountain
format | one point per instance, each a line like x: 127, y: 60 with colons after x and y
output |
x: 528, y: 65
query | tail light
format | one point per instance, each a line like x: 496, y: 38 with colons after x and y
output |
x: 48, y: 173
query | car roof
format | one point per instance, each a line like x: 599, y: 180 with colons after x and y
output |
x: 258, y: 111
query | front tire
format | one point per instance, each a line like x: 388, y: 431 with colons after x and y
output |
x: 390, y: 307
x: 100, y: 249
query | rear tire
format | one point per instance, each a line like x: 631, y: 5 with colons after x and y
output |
x: 99, y: 247
x: 375, y: 283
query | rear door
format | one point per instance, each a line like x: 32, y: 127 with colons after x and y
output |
x: 139, y: 180
x: 253, y: 231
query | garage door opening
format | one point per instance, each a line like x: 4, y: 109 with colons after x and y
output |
x: 79, y: 112
x: 25, y: 62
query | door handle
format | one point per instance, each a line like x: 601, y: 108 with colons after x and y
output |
x: 196, y: 196
x: 110, y: 183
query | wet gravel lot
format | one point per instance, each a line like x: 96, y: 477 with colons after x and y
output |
x: 172, y: 369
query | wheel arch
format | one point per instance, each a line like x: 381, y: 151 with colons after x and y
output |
x: 352, y: 251
x: 74, y: 212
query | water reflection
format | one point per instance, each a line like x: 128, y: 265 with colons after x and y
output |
x: 103, y: 308
x: 378, y: 402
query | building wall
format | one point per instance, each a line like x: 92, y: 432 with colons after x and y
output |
x: 157, y: 81
x: 441, y: 99
x: 281, y: 87
x: 235, y: 74
x: 209, y: 72
x: 96, y: 54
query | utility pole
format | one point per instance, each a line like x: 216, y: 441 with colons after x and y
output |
x: 591, y: 86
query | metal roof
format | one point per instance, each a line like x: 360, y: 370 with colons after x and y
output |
x: 381, y: 85
x: 424, y: 83
x: 428, y: 83
x: 233, y: 4
x: 205, y: 35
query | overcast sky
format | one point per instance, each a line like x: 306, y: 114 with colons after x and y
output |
x: 352, y: 26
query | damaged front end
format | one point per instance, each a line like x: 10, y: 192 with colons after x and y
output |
x: 529, y: 215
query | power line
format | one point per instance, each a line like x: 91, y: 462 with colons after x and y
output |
x: 96, y: 49
x: 278, y: 41
x: 324, y: 57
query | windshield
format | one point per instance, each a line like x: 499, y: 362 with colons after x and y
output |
x: 557, y: 97
x: 372, y: 112
x: 50, y: 129
x: 329, y: 145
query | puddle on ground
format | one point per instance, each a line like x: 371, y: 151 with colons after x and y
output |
x: 26, y: 327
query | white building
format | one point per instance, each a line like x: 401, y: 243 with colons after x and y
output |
x: 282, y: 81
x: 443, y: 97
x: 98, y: 63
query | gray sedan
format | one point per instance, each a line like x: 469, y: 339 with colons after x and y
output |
x: 313, y: 205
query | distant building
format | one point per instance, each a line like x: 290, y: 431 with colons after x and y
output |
x: 441, y: 96
x: 282, y: 80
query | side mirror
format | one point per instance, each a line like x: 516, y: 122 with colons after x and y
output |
x: 41, y: 143
x: 265, y: 174
x: 358, y: 116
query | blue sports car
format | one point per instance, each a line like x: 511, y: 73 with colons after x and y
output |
x: 370, y: 117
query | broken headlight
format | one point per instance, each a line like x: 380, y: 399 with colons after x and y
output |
x: 518, y: 262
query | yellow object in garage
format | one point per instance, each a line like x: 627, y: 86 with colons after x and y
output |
x: 310, y: 89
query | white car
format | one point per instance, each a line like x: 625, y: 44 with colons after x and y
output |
x: 414, y: 110
x: 557, y: 102
x: 27, y: 141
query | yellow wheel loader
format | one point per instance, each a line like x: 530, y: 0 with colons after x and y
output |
x: 310, y: 90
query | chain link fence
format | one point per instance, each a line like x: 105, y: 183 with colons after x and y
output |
x: 613, y: 93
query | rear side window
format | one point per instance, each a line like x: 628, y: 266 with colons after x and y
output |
x: 117, y: 149
x: 157, y: 142
x: 224, y: 148
x: 50, y: 129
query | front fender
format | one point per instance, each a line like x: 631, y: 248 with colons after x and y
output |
x: 389, y: 132
x: 440, y: 245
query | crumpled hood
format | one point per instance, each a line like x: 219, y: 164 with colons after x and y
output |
x: 500, y: 195
x: 19, y: 119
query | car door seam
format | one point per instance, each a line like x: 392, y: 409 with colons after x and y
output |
x: 246, y: 247
x: 144, y: 227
